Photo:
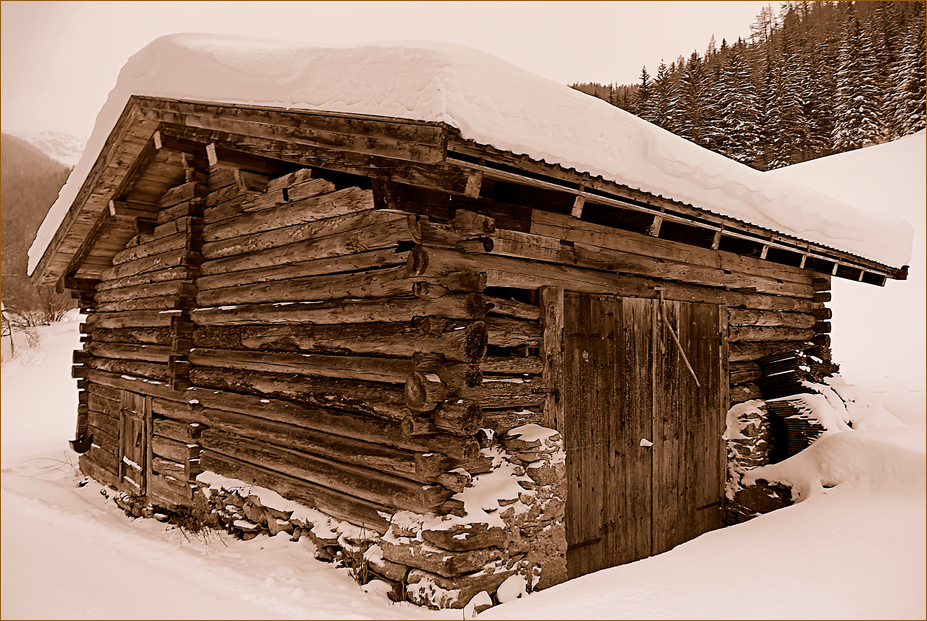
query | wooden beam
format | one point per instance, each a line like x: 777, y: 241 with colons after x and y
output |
x: 552, y: 356
x: 474, y: 182
x: 166, y: 140
x: 223, y: 157
x: 578, y: 203
x: 688, y: 215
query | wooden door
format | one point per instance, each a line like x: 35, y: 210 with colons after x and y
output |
x: 625, y: 386
x: 134, y: 443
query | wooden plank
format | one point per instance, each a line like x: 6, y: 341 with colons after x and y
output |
x: 176, y: 241
x: 164, y: 302
x: 563, y: 227
x: 127, y: 351
x: 750, y: 334
x: 543, y: 248
x: 670, y: 381
x: 396, y: 461
x: 159, y: 289
x: 552, y: 356
x: 182, y: 193
x: 134, y: 368
x: 518, y: 273
x: 306, y: 133
x: 393, y: 339
x: 634, y: 374
x: 130, y: 319
x: 216, y: 404
x: 378, y: 283
x: 377, y: 369
x: 186, y: 433
x: 368, y: 398
x: 381, y: 235
x: 511, y: 332
x: 384, y: 257
x: 365, y: 483
x: 341, y: 506
x: 338, y: 203
x: 254, y: 242
x: 160, y: 276
x: 173, y: 450
x: 750, y: 317
x: 104, y: 422
x: 166, y: 490
x: 133, y: 443
x: 158, y: 262
x: 746, y: 352
x: 95, y: 470
x: 188, y: 209
x: 451, y: 306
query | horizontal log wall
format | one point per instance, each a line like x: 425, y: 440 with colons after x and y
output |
x: 331, y: 297
x: 138, y: 329
x: 308, y: 325
x: 771, y: 307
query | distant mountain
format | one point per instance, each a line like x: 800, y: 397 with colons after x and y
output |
x: 30, y: 184
x: 59, y: 146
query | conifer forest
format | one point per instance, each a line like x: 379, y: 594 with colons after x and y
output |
x: 813, y: 79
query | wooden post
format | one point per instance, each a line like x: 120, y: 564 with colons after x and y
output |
x: 552, y: 355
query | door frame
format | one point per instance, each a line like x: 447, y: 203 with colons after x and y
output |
x: 135, y: 421
x: 554, y: 411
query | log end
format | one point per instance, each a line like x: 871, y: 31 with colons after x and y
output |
x: 424, y: 391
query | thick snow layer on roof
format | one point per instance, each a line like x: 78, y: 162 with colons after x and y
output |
x: 489, y: 101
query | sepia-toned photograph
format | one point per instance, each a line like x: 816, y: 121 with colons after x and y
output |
x: 463, y: 310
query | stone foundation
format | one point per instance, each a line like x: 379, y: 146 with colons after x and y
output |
x: 748, y: 436
x: 511, y: 531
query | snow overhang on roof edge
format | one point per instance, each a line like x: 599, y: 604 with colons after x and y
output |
x: 490, y: 102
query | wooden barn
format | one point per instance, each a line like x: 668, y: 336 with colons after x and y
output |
x: 371, y: 316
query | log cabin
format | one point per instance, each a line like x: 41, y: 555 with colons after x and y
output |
x: 479, y: 363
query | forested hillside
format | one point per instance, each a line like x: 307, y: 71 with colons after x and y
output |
x: 816, y: 78
x: 30, y: 184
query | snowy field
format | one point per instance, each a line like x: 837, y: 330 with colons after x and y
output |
x: 853, y: 549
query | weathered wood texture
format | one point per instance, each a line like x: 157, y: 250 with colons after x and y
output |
x: 643, y: 440
x: 329, y: 338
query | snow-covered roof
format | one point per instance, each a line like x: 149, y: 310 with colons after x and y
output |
x: 490, y: 102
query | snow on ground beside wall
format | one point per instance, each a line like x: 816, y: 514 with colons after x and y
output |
x: 489, y: 101
x: 856, y: 550
x: 37, y: 386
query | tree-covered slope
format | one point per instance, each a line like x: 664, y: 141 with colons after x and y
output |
x: 29, y: 184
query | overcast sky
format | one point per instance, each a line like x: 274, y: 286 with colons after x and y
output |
x: 60, y: 59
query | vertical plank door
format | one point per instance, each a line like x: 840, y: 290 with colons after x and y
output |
x: 624, y: 382
x: 134, y: 441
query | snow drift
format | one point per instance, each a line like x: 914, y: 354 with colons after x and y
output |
x: 491, y: 102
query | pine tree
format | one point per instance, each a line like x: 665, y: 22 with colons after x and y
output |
x: 663, y: 99
x: 857, y: 99
x: 693, y: 100
x: 642, y: 103
x: 909, y: 80
x: 785, y: 114
x: 737, y: 132
x: 886, y: 34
